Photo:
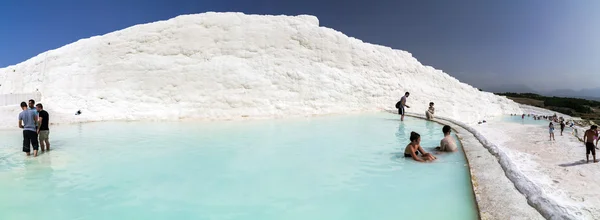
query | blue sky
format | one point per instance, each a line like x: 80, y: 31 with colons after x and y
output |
x: 542, y: 44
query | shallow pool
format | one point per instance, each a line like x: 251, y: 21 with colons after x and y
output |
x: 337, y: 167
x: 526, y: 120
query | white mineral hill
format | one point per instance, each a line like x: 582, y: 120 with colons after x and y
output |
x: 231, y: 66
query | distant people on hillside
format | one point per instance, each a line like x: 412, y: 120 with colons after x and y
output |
x: 429, y: 113
x: 414, y: 148
x: 551, y: 129
x: 447, y: 144
x: 27, y: 121
x: 588, y: 139
x: 562, y: 127
x: 401, y: 104
x: 43, y: 129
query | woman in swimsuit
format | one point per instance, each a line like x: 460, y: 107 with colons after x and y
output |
x: 551, y: 129
x: 414, y: 148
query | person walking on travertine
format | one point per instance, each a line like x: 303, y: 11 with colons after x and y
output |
x: 588, y: 139
x: 401, y: 104
x: 430, y: 111
x: 551, y: 129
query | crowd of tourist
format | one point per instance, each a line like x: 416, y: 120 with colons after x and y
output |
x: 447, y: 144
x: 589, y: 136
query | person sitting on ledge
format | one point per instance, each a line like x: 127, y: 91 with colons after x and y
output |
x: 447, y: 144
x: 430, y: 111
x: 414, y: 148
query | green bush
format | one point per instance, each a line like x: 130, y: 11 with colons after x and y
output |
x: 568, y: 103
x: 579, y: 105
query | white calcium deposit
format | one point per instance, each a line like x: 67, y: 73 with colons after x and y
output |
x: 231, y: 66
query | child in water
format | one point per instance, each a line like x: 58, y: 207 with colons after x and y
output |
x: 430, y: 111
x: 414, y: 148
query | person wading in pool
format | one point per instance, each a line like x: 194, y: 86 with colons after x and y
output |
x: 32, y: 106
x: 401, y: 104
x: 447, y: 144
x: 414, y: 148
x: 43, y: 130
x: 27, y: 121
x: 588, y: 139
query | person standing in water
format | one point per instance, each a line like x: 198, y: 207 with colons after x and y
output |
x: 43, y: 130
x: 32, y: 106
x: 588, y: 139
x: 430, y: 111
x: 27, y: 121
x: 414, y: 148
x: 551, y: 129
x: 562, y: 127
x: 401, y: 109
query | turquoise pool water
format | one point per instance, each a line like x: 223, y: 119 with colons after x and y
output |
x: 526, y: 120
x: 337, y: 167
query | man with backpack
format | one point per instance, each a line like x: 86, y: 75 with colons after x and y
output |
x: 401, y: 104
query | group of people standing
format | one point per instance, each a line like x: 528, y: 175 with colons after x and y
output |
x: 34, y: 122
x: 413, y: 149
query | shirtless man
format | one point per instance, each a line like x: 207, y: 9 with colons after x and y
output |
x: 447, y: 144
x: 401, y: 110
x: 588, y: 139
x: 429, y: 113
x: 28, y: 122
x: 414, y: 148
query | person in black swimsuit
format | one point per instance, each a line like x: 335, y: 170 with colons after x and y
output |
x: 414, y: 148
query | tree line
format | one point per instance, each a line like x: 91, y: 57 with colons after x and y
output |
x: 576, y: 104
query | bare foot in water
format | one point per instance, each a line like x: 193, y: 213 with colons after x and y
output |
x: 595, y: 161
